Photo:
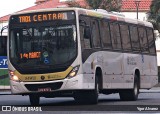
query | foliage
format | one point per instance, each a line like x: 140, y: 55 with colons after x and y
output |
x: 154, y: 14
x: 74, y: 4
x: 109, y: 5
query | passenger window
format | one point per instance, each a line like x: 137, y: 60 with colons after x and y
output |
x: 126, y: 43
x: 95, y: 34
x: 151, y: 41
x: 85, y: 42
x: 143, y: 40
x: 115, y: 36
x: 105, y: 35
x: 134, y: 38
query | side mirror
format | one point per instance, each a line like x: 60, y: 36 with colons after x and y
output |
x: 87, y: 33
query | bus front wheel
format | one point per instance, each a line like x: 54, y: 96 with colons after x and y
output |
x: 34, y: 100
x: 93, y: 95
x: 88, y: 97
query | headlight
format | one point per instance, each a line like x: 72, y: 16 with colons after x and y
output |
x: 73, y: 72
x: 13, y: 76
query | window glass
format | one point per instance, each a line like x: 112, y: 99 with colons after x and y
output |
x: 49, y: 45
x: 84, y: 21
x: 105, y: 34
x: 151, y: 41
x: 126, y: 44
x: 95, y: 34
x: 115, y: 36
x: 3, y: 45
x: 134, y: 38
x: 143, y: 40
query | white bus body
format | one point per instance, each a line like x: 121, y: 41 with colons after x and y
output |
x: 93, y: 70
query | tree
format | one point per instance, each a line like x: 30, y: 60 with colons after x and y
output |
x: 109, y: 5
x: 154, y: 14
x: 74, y: 4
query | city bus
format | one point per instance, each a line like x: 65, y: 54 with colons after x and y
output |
x: 79, y: 53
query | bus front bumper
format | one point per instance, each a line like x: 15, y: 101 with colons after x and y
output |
x: 75, y: 83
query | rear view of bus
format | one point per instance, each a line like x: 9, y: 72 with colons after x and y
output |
x: 42, y: 53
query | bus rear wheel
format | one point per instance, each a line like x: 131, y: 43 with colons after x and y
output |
x: 131, y: 94
x: 34, y: 100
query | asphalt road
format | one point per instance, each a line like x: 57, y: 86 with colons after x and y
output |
x: 148, y: 100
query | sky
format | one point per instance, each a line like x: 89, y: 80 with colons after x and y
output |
x: 11, y: 6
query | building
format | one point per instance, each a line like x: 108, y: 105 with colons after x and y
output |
x: 128, y: 9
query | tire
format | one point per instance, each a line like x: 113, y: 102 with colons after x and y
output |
x: 34, y: 100
x: 131, y: 94
x: 80, y: 96
x: 93, y: 97
x: 88, y: 97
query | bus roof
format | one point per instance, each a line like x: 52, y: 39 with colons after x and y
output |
x: 115, y: 17
x: 94, y: 13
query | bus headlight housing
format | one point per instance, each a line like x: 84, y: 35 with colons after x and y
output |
x: 13, y: 76
x: 73, y: 72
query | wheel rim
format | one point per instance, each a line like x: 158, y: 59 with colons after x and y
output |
x: 97, y: 89
x: 136, y: 89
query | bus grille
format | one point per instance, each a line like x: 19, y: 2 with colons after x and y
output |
x: 35, y: 87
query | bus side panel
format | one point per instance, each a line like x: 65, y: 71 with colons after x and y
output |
x: 113, y: 70
x: 119, y: 69
x: 111, y: 64
x: 89, y: 67
x: 131, y: 62
x: 149, y: 76
x: 145, y: 64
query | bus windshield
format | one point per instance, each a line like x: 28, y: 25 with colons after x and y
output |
x: 43, y: 47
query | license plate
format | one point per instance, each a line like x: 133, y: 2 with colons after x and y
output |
x: 44, y: 89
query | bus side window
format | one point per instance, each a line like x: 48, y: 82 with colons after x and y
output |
x: 143, y: 40
x: 115, y: 36
x: 151, y: 41
x: 126, y: 43
x: 134, y: 38
x: 87, y: 34
x: 95, y: 34
x: 84, y: 29
x: 105, y: 34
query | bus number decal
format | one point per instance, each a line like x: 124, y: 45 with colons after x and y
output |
x: 131, y: 61
x: 28, y: 78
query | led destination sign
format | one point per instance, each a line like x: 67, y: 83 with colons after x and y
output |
x: 43, y: 16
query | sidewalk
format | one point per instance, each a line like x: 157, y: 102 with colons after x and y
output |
x: 158, y: 85
x: 155, y: 89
